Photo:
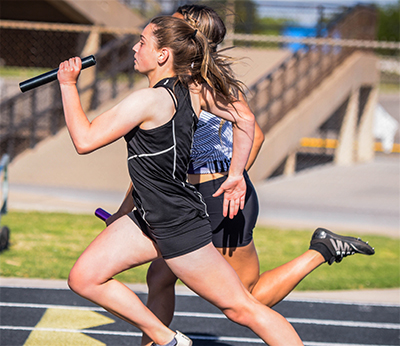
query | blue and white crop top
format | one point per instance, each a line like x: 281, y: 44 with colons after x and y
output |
x: 212, y: 146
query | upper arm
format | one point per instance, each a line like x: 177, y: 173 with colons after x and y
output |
x: 120, y: 119
x: 231, y: 111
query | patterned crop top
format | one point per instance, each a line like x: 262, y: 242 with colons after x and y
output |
x: 212, y: 146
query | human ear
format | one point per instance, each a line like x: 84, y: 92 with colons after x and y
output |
x: 163, y: 55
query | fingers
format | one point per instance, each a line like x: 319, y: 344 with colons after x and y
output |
x: 234, y: 190
x: 242, y: 202
x: 234, y: 208
x: 72, y: 64
x: 218, y: 192
x: 231, y: 207
x: 69, y: 70
x: 225, y: 207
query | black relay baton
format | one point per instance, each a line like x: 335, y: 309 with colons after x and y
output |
x: 51, y: 75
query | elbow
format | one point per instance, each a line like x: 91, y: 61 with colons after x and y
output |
x: 259, y: 138
x: 82, y: 149
x: 81, y: 152
x: 248, y: 120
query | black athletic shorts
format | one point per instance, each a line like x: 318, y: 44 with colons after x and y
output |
x: 226, y: 232
x: 177, y: 241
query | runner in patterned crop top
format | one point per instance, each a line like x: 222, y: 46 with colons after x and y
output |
x: 210, y: 160
x: 157, y: 123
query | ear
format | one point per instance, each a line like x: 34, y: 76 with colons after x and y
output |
x: 163, y: 56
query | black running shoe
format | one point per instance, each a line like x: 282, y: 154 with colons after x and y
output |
x: 340, y: 246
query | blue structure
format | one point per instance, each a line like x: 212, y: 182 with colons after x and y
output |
x: 297, y: 31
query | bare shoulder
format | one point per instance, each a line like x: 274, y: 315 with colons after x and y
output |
x: 144, y: 95
x: 143, y: 99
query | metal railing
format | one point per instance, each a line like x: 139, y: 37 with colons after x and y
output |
x: 276, y: 93
x: 28, y: 118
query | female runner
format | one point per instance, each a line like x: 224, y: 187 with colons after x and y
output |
x: 170, y: 219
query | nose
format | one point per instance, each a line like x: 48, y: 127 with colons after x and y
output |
x: 134, y: 48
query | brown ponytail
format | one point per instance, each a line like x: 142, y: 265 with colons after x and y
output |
x: 194, y: 60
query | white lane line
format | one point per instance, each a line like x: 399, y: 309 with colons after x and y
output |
x: 354, y: 324
x: 340, y: 302
x: 194, y: 337
x: 50, y: 306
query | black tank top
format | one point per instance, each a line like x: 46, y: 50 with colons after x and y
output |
x: 158, y: 160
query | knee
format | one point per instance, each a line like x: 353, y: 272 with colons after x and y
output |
x: 238, y: 314
x: 159, y: 276
x: 77, y: 281
x: 243, y: 311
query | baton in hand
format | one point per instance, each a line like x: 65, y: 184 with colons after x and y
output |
x: 51, y: 75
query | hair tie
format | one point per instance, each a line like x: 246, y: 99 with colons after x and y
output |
x: 194, y: 33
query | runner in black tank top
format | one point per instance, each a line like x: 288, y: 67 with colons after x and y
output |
x: 174, y: 212
x: 166, y: 49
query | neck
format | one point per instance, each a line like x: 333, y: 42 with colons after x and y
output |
x: 155, y: 76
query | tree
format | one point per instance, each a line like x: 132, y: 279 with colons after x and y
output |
x: 389, y: 25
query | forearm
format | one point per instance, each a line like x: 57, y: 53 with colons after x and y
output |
x: 243, y: 136
x: 257, y: 143
x: 127, y: 204
x: 75, y: 118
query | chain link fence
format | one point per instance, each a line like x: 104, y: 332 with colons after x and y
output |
x: 318, y: 36
x: 29, y: 49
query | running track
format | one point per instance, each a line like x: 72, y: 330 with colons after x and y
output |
x: 38, y: 316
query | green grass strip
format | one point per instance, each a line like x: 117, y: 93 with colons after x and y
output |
x: 46, y: 245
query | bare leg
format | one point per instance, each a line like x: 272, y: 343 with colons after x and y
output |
x: 274, y: 285
x: 221, y: 286
x: 244, y: 260
x: 121, y: 246
x: 269, y: 288
x: 161, y: 282
x: 161, y: 297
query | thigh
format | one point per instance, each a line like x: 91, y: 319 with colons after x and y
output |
x: 119, y: 247
x: 244, y: 260
x: 206, y: 272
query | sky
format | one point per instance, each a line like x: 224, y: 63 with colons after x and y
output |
x: 337, y: 2
x: 305, y: 12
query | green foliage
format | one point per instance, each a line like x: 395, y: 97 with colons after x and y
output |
x: 46, y: 245
x: 389, y: 26
x: 389, y: 22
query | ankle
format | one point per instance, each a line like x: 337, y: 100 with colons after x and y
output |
x: 173, y: 342
x: 316, y: 256
x: 322, y: 250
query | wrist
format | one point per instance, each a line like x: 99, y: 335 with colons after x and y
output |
x: 67, y: 84
x: 235, y: 174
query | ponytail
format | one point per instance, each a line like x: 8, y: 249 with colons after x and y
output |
x: 194, y: 60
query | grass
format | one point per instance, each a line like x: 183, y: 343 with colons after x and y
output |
x: 21, y: 72
x: 46, y: 245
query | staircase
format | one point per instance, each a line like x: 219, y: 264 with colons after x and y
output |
x: 299, y: 96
